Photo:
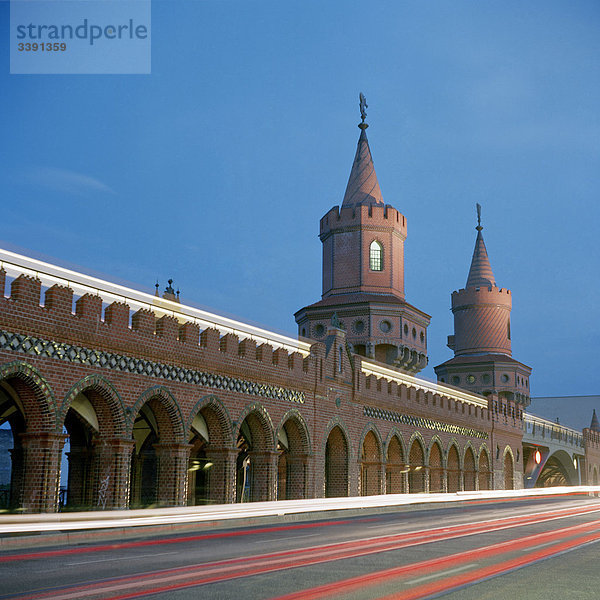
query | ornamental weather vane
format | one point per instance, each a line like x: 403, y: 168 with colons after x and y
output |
x: 479, y: 227
x: 363, y: 106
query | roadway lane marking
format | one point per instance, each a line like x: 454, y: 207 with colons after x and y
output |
x: 440, y: 574
x: 537, y: 547
x: 99, y: 560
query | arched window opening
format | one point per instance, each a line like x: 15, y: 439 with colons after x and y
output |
x: 508, y: 472
x: 376, y: 256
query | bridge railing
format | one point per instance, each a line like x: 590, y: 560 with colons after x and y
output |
x: 543, y: 429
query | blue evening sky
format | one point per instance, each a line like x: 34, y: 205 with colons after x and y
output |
x: 216, y: 168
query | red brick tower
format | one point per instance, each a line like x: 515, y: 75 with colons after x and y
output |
x: 482, y: 360
x: 363, y: 273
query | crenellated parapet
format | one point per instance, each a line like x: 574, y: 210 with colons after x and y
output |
x: 374, y: 216
x: 138, y: 329
x: 481, y: 295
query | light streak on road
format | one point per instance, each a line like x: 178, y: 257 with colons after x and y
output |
x: 39, y: 523
x: 584, y: 534
x: 169, y: 580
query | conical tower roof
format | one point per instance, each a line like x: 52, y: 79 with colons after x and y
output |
x: 595, y: 426
x: 480, y: 273
x: 363, y: 187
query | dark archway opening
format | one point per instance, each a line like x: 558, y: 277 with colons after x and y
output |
x: 395, y: 468
x: 144, y: 462
x: 453, y: 470
x: 336, y: 464
x: 370, y: 466
x: 416, y: 475
x: 253, y: 462
x: 436, y: 470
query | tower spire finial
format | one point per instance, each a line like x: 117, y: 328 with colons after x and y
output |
x: 479, y: 227
x: 362, y: 103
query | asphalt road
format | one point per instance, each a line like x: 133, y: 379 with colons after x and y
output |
x: 526, y: 549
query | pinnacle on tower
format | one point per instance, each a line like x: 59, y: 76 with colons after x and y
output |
x: 363, y: 187
x: 480, y: 273
x: 595, y: 425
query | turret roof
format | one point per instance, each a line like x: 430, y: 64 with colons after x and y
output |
x: 480, y: 273
x: 363, y: 187
x: 595, y: 426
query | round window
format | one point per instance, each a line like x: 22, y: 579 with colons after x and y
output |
x: 505, y: 378
x: 486, y: 378
x: 385, y: 326
x: 471, y: 378
x: 319, y: 330
x: 456, y: 380
x: 359, y: 326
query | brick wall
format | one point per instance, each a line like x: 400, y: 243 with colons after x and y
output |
x: 126, y: 387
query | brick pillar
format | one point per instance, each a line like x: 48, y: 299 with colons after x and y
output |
x: 172, y: 473
x: 42, y: 454
x: 297, y: 476
x: 221, y: 484
x: 110, y: 472
x: 264, y: 475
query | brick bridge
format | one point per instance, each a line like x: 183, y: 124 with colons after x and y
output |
x: 165, y: 404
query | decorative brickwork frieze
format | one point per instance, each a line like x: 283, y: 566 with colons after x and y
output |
x: 388, y: 415
x: 110, y: 360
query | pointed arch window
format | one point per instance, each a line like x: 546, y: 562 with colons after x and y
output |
x: 376, y: 256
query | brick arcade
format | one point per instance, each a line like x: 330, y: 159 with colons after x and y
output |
x: 164, y: 404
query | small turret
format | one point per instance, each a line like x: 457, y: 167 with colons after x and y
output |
x: 595, y: 425
x: 482, y: 338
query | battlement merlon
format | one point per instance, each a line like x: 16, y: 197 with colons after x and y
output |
x: 469, y: 297
x: 364, y: 216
